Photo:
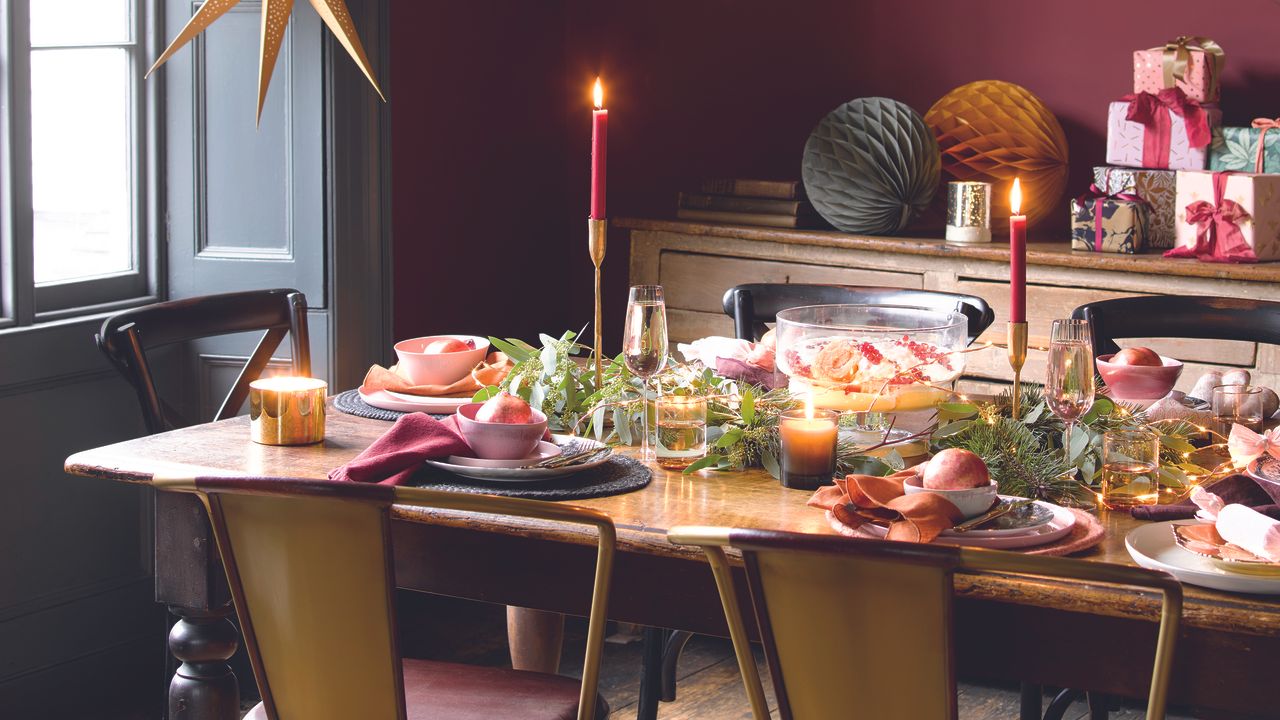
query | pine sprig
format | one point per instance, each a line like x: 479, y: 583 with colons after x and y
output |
x: 1019, y: 462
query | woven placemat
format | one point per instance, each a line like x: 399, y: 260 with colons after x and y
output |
x: 351, y: 403
x: 617, y: 476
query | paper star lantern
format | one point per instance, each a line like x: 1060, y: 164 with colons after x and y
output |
x: 275, y: 18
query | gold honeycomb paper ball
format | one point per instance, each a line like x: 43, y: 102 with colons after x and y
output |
x: 994, y: 131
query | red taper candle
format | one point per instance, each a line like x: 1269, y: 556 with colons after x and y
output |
x: 1017, y: 257
x: 599, y: 152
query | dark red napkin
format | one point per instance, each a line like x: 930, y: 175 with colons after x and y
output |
x: 1239, y: 489
x: 393, y: 458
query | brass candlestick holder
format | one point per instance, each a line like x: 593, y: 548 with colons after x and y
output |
x: 597, y: 236
x: 1017, y: 339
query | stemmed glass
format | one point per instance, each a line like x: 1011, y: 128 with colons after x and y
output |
x: 644, y: 345
x: 1070, y: 389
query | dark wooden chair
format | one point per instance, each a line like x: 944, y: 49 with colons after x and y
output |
x: 753, y: 305
x: 1162, y: 316
x: 126, y: 337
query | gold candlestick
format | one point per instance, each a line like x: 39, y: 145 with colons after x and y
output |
x: 597, y: 234
x: 1017, y: 340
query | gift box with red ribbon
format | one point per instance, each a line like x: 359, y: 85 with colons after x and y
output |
x: 1228, y: 217
x: 1253, y: 149
x: 1191, y: 64
x: 1114, y: 223
x: 1160, y: 131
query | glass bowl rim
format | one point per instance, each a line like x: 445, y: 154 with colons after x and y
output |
x: 957, y: 317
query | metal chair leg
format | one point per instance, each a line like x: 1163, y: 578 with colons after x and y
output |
x: 655, y: 640
x: 1100, y: 706
x: 1032, y: 702
x: 1058, y: 706
x: 670, y: 659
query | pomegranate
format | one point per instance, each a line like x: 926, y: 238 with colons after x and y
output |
x: 505, y: 408
x: 445, y: 345
x: 1137, y: 356
x: 955, y: 469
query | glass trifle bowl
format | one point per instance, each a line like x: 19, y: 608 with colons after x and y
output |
x: 871, y: 358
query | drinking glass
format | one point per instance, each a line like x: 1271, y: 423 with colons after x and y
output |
x: 1237, y: 405
x: 1070, y: 389
x: 644, y: 346
x: 681, y: 438
x: 1130, y: 468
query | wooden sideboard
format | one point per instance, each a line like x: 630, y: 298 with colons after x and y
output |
x: 697, y: 262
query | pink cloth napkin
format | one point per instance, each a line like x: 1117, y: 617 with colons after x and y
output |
x: 393, y: 458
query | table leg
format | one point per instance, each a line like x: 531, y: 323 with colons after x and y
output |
x: 204, y: 687
x: 655, y: 642
x: 1032, y: 702
x: 670, y: 660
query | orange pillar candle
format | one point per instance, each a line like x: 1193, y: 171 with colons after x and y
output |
x: 808, y: 447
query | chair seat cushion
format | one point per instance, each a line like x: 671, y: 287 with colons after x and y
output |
x: 451, y: 691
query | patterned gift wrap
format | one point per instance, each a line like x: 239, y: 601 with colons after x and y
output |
x: 1126, y: 139
x: 1121, y: 225
x: 1236, y: 149
x: 1157, y: 187
x: 1233, y: 217
x: 1199, y: 80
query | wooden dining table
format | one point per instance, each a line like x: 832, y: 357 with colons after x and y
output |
x: 1030, y: 630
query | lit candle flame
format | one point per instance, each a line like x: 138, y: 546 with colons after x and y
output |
x: 1015, y: 195
x: 808, y: 407
x: 598, y: 94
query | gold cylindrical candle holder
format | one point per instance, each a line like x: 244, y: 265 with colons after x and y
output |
x: 968, y: 212
x: 1017, y: 340
x: 597, y: 239
x: 287, y: 410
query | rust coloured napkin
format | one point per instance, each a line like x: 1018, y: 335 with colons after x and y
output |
x: 393, y: 458
x: 858, y: 499
x: 490, y: 372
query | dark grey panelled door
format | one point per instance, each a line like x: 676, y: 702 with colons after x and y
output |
x: 245, y: 201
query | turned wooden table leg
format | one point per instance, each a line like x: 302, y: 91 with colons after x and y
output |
x: 204, y: 687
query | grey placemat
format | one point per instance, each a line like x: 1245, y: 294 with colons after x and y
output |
x: 617, y: 476
x: 351, y: 403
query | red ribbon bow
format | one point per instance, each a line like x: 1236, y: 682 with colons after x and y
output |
x: 1218, y: 234
x: 1155, y: 112
x: 1263, y: 124
x: 1099, y: 197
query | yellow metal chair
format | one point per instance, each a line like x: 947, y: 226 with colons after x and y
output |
x: 863, y: 628
x: 311, y: 571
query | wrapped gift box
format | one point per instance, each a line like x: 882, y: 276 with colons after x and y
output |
x: 1200, y: 79
x: 1108, y: 225
x: 1239, y: 216
x: 1236, y: 149
x: 1127, y: 139
x: 1157, y: 187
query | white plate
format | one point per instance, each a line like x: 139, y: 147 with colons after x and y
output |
x: 544, y: 451
x: 1057, y: 528
x: 399, y: 402
x: 1152, y: 546
x: 523, y: 475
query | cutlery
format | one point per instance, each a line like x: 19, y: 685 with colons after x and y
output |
x: 575, y: 453
x: 1002, y: 508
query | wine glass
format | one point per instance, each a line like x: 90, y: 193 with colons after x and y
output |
x: 644, y: 345
x: 1070, y: 389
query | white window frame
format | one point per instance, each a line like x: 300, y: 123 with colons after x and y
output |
x: 22, y: 302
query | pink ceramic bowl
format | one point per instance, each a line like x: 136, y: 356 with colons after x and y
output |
x: 500, y: 441
x: 439, y: 368
x: 1139, y: 382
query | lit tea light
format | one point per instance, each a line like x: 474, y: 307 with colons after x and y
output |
x: 287, y: 410
x: 808, y: 446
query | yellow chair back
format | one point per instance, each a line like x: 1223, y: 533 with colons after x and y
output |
x: 863, y: 628
x: 310, y: 568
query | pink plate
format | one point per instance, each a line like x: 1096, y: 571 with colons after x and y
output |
x: 400, y: 402
x: 1056, y: 529
x: 544, y: 451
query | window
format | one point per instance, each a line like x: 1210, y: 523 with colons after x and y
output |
x: 76, y: 215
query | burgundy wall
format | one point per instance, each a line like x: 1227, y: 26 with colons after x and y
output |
x: 700, y: 88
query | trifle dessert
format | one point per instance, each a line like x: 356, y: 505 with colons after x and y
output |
x: 871, y: 357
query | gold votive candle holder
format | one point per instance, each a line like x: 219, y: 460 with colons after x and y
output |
x: 808, y: 447
x: 287, y: 410
x: 968, y: 212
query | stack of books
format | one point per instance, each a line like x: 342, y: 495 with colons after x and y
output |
x: 772, y: 203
